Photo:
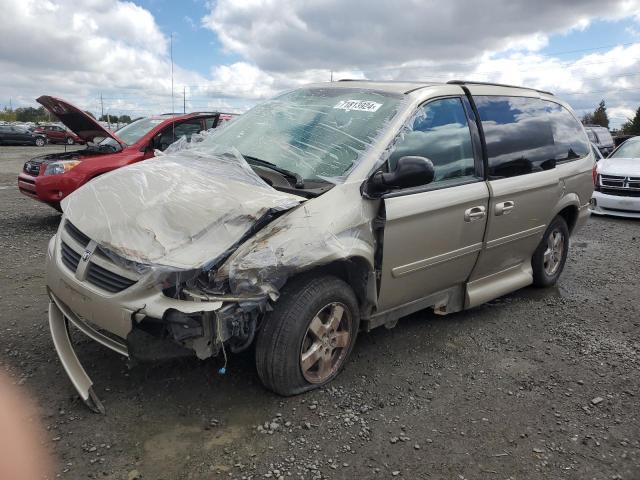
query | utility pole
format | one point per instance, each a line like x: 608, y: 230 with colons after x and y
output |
x: 184, y: 99
x: 101, y: 107
x: 332, y: 75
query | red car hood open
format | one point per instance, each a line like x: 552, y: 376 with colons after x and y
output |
x: 79, y: 122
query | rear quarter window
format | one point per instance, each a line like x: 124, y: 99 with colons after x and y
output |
x: 527, y: 135
x: 568, y: 135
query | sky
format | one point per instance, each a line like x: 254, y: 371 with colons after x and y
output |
x: 115, y: 56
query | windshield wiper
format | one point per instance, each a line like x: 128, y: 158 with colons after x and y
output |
x: 299, y: 181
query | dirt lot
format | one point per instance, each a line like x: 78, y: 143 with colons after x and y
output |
x: 538, y: 384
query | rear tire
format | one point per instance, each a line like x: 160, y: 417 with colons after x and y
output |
x: 550, y: 256
x: 307, y: 338
x: 40, y: 142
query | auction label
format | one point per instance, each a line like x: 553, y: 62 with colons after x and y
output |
x: 358, y: 105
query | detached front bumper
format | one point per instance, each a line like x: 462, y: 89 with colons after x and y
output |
x: 59, y: 318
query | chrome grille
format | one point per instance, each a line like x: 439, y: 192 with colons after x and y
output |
x: 76, y: 234
x: 109, y: 281
x: 611, y: 181
x: 70, y: 257
x: 620, y: 186
x: 100, y: 269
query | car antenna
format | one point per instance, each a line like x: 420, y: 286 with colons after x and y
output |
x: 173, y: 125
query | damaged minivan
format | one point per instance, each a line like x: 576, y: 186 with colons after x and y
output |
x: 329, y: 210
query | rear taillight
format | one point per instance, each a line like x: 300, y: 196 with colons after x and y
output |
x: 594, y: 175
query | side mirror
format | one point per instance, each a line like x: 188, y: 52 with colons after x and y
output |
x: 410, y: 172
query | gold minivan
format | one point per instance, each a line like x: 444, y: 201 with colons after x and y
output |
x: 328, y: 210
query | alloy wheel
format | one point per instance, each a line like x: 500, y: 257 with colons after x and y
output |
x: 326, y: 343
x: 554, y: 252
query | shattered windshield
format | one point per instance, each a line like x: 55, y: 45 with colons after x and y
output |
x: 314, y: 132
x: 133, y: 132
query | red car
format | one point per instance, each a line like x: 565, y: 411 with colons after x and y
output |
x: 57, y: 134
x: 50, y: 178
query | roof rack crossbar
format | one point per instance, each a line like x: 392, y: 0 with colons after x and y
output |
x: 470, y: 82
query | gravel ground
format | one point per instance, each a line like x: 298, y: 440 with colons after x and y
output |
x: 537, y: 384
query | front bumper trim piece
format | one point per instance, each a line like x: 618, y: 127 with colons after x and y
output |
x: 59, y: 318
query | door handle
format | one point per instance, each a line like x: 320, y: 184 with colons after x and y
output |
x: 474, y: 213
x: 505, y: 208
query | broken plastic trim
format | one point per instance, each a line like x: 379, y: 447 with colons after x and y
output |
x: 58, y: 324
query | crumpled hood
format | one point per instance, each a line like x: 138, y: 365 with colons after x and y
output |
x: 180, y: 211
x: 620, y: 166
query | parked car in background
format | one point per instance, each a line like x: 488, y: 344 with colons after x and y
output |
x: 14, y: 135
x: 58, y: 134
x: 617, y: 190
x: 331, y: 209
x: 620, y: 139
x: 601, y: 136
x: 50, y: 178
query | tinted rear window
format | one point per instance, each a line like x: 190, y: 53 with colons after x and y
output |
x: 526, y: 135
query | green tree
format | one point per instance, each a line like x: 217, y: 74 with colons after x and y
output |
x: 8, y: 115
x: 587, y: 119
x: 26, y: 114
x: 600, y: 116
x: 124, y: 119
x: 632, y: 126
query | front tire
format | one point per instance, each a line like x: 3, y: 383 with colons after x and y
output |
x: 40, y: 142
x: 307, y: 338
x: 550, y: 256
x: 70, y: 141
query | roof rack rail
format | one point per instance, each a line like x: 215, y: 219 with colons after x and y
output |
x: 470, y: 82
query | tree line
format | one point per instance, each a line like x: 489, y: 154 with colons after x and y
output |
x: 599, y: 117
x: 40, y: 114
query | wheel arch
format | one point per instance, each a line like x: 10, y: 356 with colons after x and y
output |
x: 568, y: 208
x: 357, y: 272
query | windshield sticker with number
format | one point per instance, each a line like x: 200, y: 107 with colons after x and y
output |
x: 358, y: 105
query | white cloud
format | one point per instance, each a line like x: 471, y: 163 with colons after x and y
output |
x: 288, y: 35
x: 76, y: 49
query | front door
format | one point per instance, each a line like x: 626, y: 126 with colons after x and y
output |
x: 433, y: 234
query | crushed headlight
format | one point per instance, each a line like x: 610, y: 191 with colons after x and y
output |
x: 55, y: 168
